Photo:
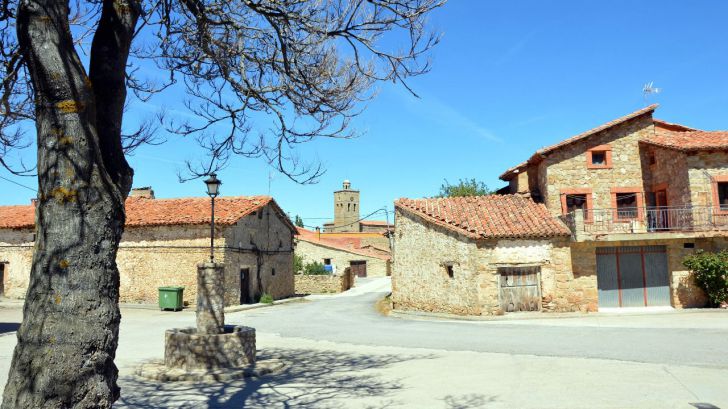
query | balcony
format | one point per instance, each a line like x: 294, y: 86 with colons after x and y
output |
x: 636, y: 223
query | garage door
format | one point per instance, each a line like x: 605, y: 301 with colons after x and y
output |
x: 634, y: 276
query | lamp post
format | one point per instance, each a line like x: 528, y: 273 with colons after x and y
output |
x: 213, y: 188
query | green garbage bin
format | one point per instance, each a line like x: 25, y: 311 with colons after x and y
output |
x: 170, y: 298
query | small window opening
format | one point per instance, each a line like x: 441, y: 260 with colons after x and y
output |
x: 599, y: 158
x: 348, y: 206
x: 327, y: 261
x: 651, y: 158
x: 260, y: 215
x: 626, y: 205
x: 723, y: 195
x: 272, y: 271
x: 576, y: 202
x: 689, y: 245
x: 450, y: 271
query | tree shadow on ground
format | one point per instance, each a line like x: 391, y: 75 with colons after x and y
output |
x: 469, y: 401
x: 6, y: 327
x: 311, y: 379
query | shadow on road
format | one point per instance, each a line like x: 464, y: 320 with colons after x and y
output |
x: 311, y: 379
x: 6, y: 327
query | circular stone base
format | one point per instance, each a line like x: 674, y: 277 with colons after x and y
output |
x: 155, y: 370
x: 190, y: 351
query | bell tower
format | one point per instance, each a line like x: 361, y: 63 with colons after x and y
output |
x: 346, y: 209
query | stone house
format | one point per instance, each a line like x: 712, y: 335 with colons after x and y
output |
x: 362, y: 252
x: 637, y: 194
x: 481, y: 255
x: 165, y: 239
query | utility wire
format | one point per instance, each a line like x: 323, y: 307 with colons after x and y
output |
x: 19, y: 184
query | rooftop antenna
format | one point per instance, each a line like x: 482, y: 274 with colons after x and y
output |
x: 649, y: 89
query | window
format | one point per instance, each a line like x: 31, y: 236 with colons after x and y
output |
x: 327, y: 261
x: 723, y: 195
x: 576, y: 202
x: 272, y: 271
x: 450, y: 271
x: 626, y: 205
x: 577, y: 199
x: 651, y: 158
x: 599, y: 157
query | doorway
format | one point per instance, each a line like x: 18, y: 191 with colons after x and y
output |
x: 634, y: 276
x: 358, y: 268
x: 244, y: 286
x: 520, y: 288
x: 2, y: 279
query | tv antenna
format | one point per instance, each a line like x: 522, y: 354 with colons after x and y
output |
x: 649, y: 89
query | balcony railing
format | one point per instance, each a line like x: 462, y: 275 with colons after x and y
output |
x: 646, y: 220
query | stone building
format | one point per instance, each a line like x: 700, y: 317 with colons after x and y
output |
x: 637, y: 194
x: 482, y: 255
x: 347, y: 215
x: 362, y: 252
x: 163, y: 241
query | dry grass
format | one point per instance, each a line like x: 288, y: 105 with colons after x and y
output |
x: 384, y: 306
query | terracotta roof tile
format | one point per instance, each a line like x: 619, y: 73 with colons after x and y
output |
x: 494, y: 216
x: 349, y: 242
x: 161, y: 212
x: 548, y: 149
x: 688, y: 141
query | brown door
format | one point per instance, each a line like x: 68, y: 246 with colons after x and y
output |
x: 520, y: 289
x: 2, y: 279
x: 661, y: 215
x: 358, y: 268
x: 244, y: 285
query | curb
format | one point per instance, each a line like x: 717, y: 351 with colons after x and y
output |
x: 246, y: 307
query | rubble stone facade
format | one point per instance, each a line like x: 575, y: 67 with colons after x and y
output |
x: 156, y: 256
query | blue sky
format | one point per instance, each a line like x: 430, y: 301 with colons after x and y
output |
x: 507, y: 78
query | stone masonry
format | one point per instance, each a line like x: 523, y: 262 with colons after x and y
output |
x: 420, y: 280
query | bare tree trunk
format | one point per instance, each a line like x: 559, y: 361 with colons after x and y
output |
x: 67, y: 341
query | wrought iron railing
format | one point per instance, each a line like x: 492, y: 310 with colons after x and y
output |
x: 646, y: 220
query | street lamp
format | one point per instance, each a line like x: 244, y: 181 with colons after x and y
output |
x: 213, y: 188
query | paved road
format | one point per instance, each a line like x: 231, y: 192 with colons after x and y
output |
x: 695, y: 338
x: 340, y: 353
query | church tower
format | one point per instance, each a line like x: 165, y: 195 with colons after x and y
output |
x: 346, y: 209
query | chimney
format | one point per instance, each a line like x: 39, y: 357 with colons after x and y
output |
x: 145, y: 192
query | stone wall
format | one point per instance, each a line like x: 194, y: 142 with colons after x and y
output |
x: 420, y: 279
x: 702, y: 166
x: 566, y: 168
x: 670, y: 169
x: 16, y: 252
x: 317, y: 252
x: 323, y: 284
x: 152, y: 257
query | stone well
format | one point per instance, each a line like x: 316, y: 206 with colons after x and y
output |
x: 213, y: 350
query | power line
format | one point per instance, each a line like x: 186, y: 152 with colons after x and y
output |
x: 19, y: 184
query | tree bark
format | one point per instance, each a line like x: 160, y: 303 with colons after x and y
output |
x: 68, y: 338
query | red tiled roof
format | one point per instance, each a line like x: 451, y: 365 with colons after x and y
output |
x: 548, y: 149
x: 374, y: 223
x: 17, y: 217
x: 690, y: 141
x: 350, y: 243
x: 162, y: 212
x: 493, y: 216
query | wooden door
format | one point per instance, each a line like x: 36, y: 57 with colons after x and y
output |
x: 358, y: 268
x: 2, y: 279
x: 661, y: 215
x: 520, y: 289
x: 244, y: 285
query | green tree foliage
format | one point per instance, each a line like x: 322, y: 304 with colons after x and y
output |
x: 464, y: 187
x: 711, y: 274
x: 297, y: 264
x: 299, y: 221
x: 314, y: 269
